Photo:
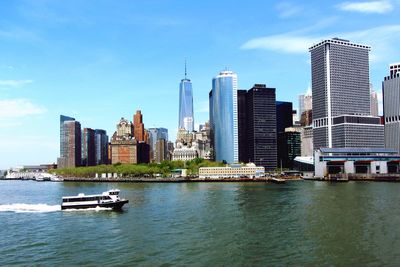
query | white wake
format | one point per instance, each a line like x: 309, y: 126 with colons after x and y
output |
x: 89, y: 209
x: 21, y: 207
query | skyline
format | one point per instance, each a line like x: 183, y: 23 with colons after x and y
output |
x: 100, y: 63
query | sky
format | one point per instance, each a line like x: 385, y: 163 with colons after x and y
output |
x: 98, y: 61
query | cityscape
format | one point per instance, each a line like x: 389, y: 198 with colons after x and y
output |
x: 163, y: 133
x: 339, y: 116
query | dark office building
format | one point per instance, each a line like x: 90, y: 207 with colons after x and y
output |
x: 284, y: 115
x: 70, y: 143
x: 88, y: 147
x: 101, y: 146
x: 289, y: 147
x: 242, y: 128
x: 143, y: 152
x: 257, y: 126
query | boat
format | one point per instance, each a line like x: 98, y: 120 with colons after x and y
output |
x: 108, y: 199
x: 278, y: 180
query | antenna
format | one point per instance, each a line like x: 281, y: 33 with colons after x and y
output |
x: 185, y: 69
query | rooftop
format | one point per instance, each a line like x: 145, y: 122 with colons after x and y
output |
x: 340, y: 42
x: 357, y: 150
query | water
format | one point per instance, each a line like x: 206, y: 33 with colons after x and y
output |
x: 203, y: 224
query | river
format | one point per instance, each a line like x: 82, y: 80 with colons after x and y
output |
x: 203, y: 224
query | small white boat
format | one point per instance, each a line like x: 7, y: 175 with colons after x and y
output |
x: 109, y: 199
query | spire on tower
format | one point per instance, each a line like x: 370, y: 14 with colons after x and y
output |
x: 185, y: 69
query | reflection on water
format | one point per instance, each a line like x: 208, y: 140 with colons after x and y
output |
x: 297, y: 223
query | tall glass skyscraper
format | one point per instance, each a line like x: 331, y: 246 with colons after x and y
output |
x: 186, y: 119
x: 70, y: 143
x: 101, y: 146
x: 224, y: 116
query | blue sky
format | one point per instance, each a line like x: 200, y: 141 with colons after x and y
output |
x: 101, y: 60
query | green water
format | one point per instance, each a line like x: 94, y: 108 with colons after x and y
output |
x: 203, y: 224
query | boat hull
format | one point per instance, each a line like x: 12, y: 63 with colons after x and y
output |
x: 114, y: 205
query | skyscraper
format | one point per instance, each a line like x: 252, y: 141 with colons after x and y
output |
x: 394, y: 69
x: 156, y: 134
x: 186, y: 120
x: 374, y: 102
x: 101, y: 146
x: 284, y: 117
x: 391, y: 108
x: 70, y: 143
x: 341, y: 98
x: 138, y: 126
x: 224, y: 117
x: 257, y: 126
x: 88, y: 147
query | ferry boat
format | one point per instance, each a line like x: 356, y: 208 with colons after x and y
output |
x: 109, y: 199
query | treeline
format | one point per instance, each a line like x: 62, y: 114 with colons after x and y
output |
x: 164, y: 169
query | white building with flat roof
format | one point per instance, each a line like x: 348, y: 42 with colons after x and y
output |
x: 249, y: 170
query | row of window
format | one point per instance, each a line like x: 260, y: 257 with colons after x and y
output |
x: 80, y: 199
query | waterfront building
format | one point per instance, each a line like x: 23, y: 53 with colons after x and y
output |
x: 88, y: 147
x: 391, y: 108
x: 138, y: 126
x: 257, y: 126
x: 70, y: 143
x: 123, y: 145
x: 345, y: 163
x: 374, y: 102
x: 341, y: 96
x: 101, y: 146
x: 249, y: 170
x: 223, y: 116
x: 289, y: 144
x: 186, y: 119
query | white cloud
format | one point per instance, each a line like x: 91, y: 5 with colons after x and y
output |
x: 14, y: 83
x: 287, y: 9
x: 383, y: 40
x: 18, y: 108
x: 286, y: 43
x: 379, y: 7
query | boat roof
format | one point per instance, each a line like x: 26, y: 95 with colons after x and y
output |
x: 96, y: 195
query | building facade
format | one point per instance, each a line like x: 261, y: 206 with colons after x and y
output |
x: 156, y: 134
x: 391, y: 107
x: 289, y: 144
x: 223, y: 116
x: 138, y: 126
x: 341, y: 95
x: 374, y: 102
x: 101, y: 146
x: 88, y: 147
x: 284, y: 117
x: 257, y: 126
x: 249, y: 170
x: 394, y: 69
x: 186, y: 119
x: 123, y: 145
x: 70, y: 143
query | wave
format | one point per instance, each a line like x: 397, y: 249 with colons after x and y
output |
x: 89, y: 209
x: 23, y: 208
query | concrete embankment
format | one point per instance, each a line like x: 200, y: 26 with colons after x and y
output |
x: 163, y: 180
